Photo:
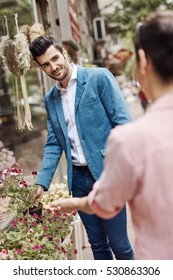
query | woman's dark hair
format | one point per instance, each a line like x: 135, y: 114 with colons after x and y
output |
x: 40, y: 45
x: 155, y: 36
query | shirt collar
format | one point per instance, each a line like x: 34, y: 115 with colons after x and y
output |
x: 73, y: 77
x: 164, y: 101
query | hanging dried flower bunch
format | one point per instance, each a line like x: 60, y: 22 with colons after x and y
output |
x: 16, y: 59
x: 36, y: 30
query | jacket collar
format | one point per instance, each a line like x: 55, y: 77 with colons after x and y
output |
x: 81, y: 80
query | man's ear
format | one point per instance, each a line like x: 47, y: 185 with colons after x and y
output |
x: 143, y: 61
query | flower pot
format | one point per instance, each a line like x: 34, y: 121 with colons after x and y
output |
x: 35, y: 210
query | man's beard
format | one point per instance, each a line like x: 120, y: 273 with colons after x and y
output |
x: 65, y: 73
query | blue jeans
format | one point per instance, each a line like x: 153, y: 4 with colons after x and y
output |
x: 105, y: 235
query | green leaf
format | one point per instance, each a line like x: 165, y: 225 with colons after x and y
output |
x: 14, y: 236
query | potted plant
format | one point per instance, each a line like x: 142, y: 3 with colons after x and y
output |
x: 21, y: 193
x: 33, y: 237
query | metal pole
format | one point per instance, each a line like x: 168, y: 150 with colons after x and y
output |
x: 35, y: 11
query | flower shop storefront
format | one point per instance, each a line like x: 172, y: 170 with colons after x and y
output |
x: 22, y: 113
x: 23, y: 85
x: 25, y: 234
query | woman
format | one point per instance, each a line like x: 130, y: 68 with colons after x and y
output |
x: 142, y: 172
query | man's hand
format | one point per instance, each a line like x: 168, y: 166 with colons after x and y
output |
x: 39, y: 194
x: 72, y: 204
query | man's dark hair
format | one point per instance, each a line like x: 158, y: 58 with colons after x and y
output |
x: 40, y: 45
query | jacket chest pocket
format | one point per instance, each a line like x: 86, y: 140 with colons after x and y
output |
x: 88, y: 101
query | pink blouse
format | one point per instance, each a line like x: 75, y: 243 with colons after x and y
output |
x: 138, y: 169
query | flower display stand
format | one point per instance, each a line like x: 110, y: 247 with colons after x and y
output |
x: 6, y: 219
x: 79, y: 237
x: 76, y: 237
x: 5, y: 216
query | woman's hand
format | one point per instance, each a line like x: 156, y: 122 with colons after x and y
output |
x: 72, y: 204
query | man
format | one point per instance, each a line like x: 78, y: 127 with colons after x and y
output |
x: 82, y: 107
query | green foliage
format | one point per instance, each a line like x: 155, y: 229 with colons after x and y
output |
x: 129, y: 12
x: 9, y: 8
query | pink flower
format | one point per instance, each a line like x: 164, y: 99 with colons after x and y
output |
x: 24, y: 222
x: 22, y: 184
x: 63, y: 250
x: 74, y: 213
x: 45, y: 228
x: 19, y: 251
x: 16, y: 171
x: 75, y: 251
x: 48, y: 236
x: 5, y: 252
x: 37, y: 247
x: 13, y: 171
x: 55, y: 216
x: 58, y: 241
x: 14, y: 223
x: 35, y: 216
x: 34, y: 173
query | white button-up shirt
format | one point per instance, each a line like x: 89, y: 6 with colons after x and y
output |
x: 68, y: 102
